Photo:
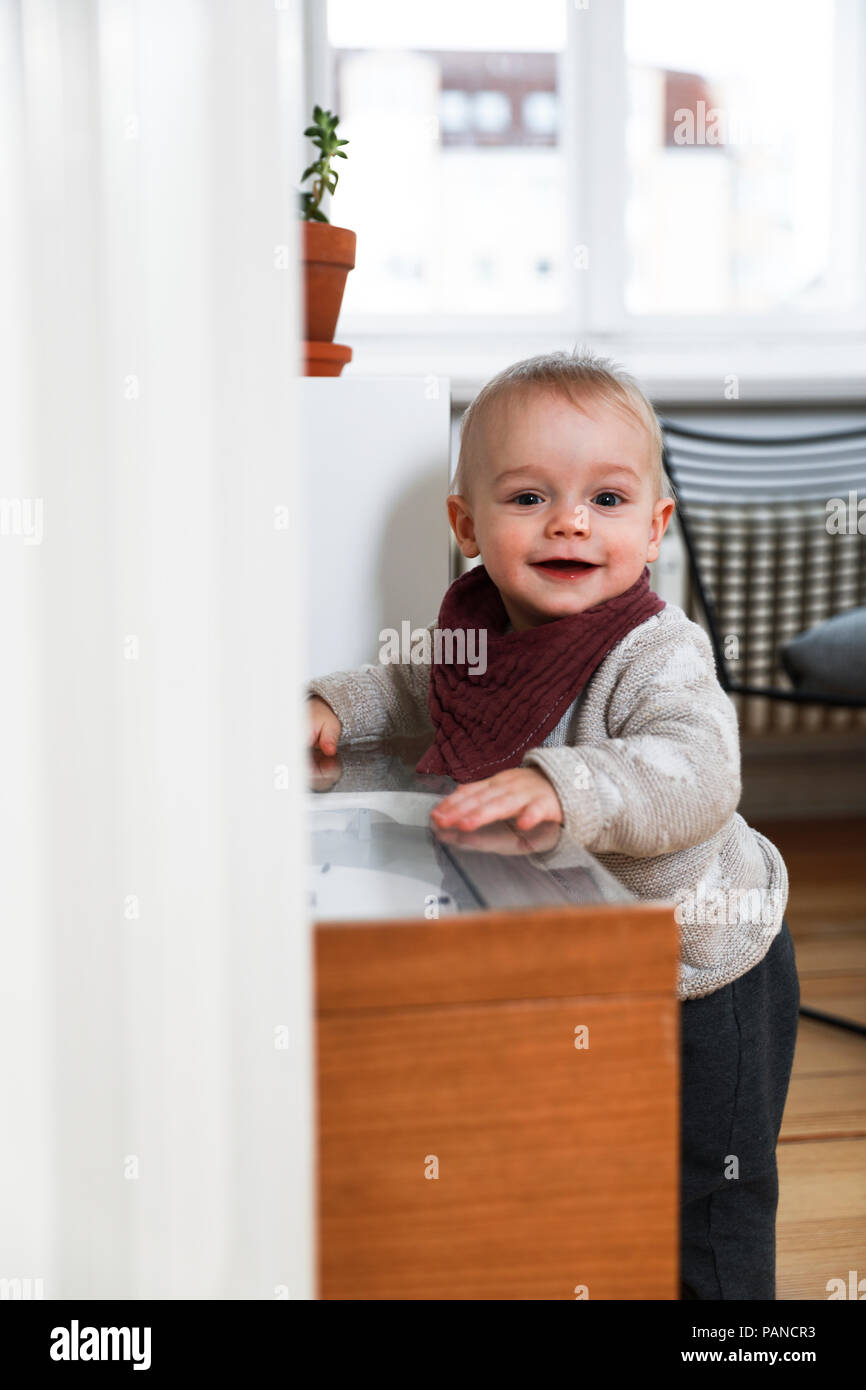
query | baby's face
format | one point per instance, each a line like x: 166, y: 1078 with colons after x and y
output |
x: 555, y: 482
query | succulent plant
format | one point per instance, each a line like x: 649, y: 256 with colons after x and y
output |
x: 323, y: 133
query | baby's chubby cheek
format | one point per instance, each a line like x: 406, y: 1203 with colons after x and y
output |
x: 633, y: 551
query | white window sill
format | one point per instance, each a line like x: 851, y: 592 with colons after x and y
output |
x: 773, y: 369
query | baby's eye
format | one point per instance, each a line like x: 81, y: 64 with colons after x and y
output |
x: 607, y: 499
x: 525, y: 494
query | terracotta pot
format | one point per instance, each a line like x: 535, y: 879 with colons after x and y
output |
x: 325, y: 359
x: 329, y: 255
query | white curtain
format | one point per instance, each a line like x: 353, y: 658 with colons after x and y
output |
x: 155, y: 1089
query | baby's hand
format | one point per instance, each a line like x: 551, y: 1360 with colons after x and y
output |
x: 522, y: 793
x: 323, y: 726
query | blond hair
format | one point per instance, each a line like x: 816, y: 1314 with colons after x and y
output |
x: 580, y: 375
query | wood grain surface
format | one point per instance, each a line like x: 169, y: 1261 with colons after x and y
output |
x: 448, y: 1048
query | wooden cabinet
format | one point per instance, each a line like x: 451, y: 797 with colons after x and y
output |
x: 497, y: 1089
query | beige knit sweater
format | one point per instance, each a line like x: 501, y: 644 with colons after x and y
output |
x: 646, y: 765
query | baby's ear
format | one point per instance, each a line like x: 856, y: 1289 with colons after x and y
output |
x: 663, y: 510
x: 462, y: 525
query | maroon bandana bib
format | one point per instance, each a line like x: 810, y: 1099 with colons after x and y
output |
x: 488, y: 722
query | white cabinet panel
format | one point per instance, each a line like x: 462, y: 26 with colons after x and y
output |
x: 376, y: 476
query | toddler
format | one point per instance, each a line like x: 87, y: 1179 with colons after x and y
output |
x: 597, y: 720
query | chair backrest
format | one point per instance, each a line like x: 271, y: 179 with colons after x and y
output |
x: 771, y: 527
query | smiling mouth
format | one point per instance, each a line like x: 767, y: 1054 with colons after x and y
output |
x: 563, y: 565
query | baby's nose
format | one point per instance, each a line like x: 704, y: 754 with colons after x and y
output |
x: 574, y: 520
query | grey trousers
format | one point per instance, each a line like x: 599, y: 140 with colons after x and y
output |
x: 737, y: 1048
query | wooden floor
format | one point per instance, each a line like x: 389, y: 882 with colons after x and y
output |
x: 821, y: 1227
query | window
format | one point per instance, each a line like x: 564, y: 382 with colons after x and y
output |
x: 616, y: 168
x: 731, y: 132
x: 455, y: 177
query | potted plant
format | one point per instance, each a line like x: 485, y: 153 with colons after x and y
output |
x: 328, y: 253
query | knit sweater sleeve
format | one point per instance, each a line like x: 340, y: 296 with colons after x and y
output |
x: 667, y: 776
x: 378, y: 701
